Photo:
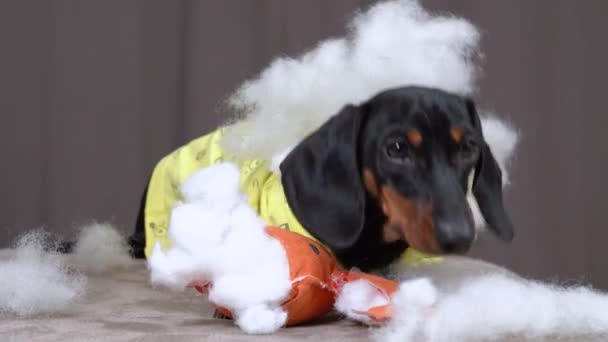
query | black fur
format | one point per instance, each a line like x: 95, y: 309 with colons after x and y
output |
x: 137, y: 240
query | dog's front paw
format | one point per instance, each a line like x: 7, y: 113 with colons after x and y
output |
x: 261, y: 319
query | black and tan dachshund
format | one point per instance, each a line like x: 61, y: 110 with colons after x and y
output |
x: 390, y: 173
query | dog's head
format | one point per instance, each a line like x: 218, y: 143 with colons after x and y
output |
x: 396, y: 169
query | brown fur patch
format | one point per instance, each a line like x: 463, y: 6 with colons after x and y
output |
x: 456, y: 134
x: 408, y: 221
x: 414, y: 137
x: 370, y: 182
x: 405, y: 220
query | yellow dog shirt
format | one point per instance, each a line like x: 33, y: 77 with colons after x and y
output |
x: 262, y: 186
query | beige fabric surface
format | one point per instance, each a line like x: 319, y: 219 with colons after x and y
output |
x: 122, y: 306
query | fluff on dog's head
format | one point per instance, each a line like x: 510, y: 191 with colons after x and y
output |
x: 394, y: 43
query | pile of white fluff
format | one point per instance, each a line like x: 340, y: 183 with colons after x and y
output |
x: 216, y: 236
x: 101, y: 248
x: 357, y: 297
x: 469, y: 300
x: 37, y: 280
x: 496, y: 307
x: 394, y: 43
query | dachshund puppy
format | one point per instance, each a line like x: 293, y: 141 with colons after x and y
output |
x: 389, y: 174
x: 393, y: 172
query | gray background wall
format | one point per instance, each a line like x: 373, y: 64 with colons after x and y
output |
x: 93, y: 93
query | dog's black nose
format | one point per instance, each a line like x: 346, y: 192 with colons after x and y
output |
x: 454, y: 239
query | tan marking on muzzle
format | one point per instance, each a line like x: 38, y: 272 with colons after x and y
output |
x: 406, y: 220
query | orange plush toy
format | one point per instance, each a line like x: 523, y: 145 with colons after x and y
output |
x: 317, y: 280
x: 263, y: 277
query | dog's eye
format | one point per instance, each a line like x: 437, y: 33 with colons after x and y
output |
x: 397, y: 150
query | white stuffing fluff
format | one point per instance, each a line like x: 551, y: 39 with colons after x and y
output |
x: 262, y: 319
x: 412, y: 305
x: 502, y: 140
x: 101, y: 248
x: 394, y: 43
x: 216, y: 236
x: 277, y: 159
x: 498, y: 307
x: 214, y: 186
x: 357, y: 296
x: 35, y: 281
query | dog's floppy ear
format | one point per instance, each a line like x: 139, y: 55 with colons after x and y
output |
x: 322, y: 180
x: 487, y: 184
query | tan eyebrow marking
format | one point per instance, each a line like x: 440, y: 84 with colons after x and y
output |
x: 456, y: 134
x: 414, y: 137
